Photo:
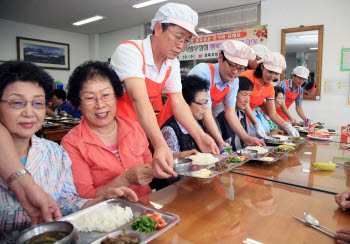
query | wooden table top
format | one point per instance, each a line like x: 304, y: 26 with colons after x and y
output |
x: 231, y: 208
x: 297, y: 168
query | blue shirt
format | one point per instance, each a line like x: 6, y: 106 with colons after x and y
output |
x: 23, y: 161
x: 203, y: 70
x: 299, y: 99
x: 64, y: 107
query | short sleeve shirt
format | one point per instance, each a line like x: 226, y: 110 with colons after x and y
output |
x: 299, y: 99
x: 203, y: 70
x: 127, y: 61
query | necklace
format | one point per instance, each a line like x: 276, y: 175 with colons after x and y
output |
x: 115, y: 129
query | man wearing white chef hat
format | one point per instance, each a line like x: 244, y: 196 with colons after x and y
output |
x: 223, y: 86
x: 149, y: 67
x: 293, y: 92
x: 260, y: 50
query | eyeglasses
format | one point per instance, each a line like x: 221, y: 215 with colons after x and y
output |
x: 234, y: 67
x: 90, y: 99
x: 19, y: 103
x: 180, y: 40
x: 202, y: 104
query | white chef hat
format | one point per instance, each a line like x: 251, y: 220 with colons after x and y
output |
x: 301, y: 71
x: 260, y: 50
x: 179, y: 14
x: 275, y: 62
x: 237, y: 52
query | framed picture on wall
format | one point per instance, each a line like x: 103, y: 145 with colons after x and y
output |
x: 46, y: 54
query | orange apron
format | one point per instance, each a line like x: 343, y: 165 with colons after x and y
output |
x: 217, y: 97
x: 154, y: 91
x: 259, y: 94
x: 290, y: 98
x: 313, y: 89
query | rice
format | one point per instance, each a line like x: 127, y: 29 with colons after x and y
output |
x: 260, y: 150
x: 103, y: 219
x: 203, y: 159
x: 282, y: 138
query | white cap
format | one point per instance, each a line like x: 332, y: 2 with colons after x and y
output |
x: 275, y: 62
x: 179, y: 14
x: 261, y: 50
x: 237, y: 52
x: 301, y: 71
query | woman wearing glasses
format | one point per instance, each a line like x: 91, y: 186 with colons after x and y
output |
x: 106, y: 150
x: 23, y: 89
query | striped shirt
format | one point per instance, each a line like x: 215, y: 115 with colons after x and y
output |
x: 50, y: 168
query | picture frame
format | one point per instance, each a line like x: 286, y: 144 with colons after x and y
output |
x: 46, y: 54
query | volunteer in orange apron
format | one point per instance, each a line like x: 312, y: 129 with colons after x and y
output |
x: 233, y: 59
x: 149, y: 67
x: 260, y: 51
x: 293, y: 92
x: 267, y: 71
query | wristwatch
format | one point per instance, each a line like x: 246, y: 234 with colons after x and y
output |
x: 15, y: 176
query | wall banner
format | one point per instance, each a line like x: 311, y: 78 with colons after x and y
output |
x: 207, y: 45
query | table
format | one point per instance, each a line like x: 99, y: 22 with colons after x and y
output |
x: 296, y: 169
x: 57, y: 133
x: 231, y: 208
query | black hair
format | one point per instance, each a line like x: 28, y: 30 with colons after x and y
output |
x: 191, y: 85
x: 258, y: 73
x: 12, y: 71
x: 245, y: 84
x: 165, y: 26
x: 223, y: 56
x: 87, y: 71
x: 278, y: 89
x: 60, y: 94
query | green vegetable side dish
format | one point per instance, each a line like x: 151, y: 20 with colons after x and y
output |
x: 297, y: 139
x: 233, y: 160
x: 280, y: 150
x: 144, y: 224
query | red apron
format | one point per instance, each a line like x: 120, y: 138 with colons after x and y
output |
x: 259, y: 94
x: 154, y: 91
x: 217, y: 97
x: 313, y: 89
x: 290, y: 98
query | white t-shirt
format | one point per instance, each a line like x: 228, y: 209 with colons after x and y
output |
x: 127, y: 62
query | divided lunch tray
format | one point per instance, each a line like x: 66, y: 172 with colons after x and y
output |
x: 222, y: 158
x: 276, y: 141
x: 138, y: 210
x: 271, y: 150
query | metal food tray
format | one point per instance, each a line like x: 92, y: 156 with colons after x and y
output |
x: 138, y: 210
x: 56, y: 118
x: 222, y: 157
x: 70, y: 122
x: 270, y: 142
x: 281, y: 155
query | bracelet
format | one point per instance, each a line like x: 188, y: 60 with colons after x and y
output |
x: 16, y: 175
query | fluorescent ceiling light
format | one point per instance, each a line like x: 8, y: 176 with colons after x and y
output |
x: 141, y: 4
x: 204, y: 30
x: 313, y: 48
x: 307, y: 36
x: 85, y: 21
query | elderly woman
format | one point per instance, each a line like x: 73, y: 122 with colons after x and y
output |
x: 106, y: 150
x: 23, y: 89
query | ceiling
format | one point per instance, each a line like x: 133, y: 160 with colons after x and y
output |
x: 294, y: 43
x: 118, y: 15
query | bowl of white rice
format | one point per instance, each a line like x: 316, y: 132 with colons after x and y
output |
x: 203, y: 159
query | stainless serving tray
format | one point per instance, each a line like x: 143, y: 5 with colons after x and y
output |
x: 279, y: 142
x: 222, y: 158
x: 280, y: 155
x: 138, y: 210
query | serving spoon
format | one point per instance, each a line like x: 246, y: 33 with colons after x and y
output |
x: 313, y: 221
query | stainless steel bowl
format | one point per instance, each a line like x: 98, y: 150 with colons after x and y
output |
x: 182, y: 165
x: 247, y: 152
x: 272, y: 140
x: 48, y: 227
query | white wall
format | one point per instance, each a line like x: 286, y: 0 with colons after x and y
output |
x: 334, y: 110
x: 78, y: 44
x: 110, y: 40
